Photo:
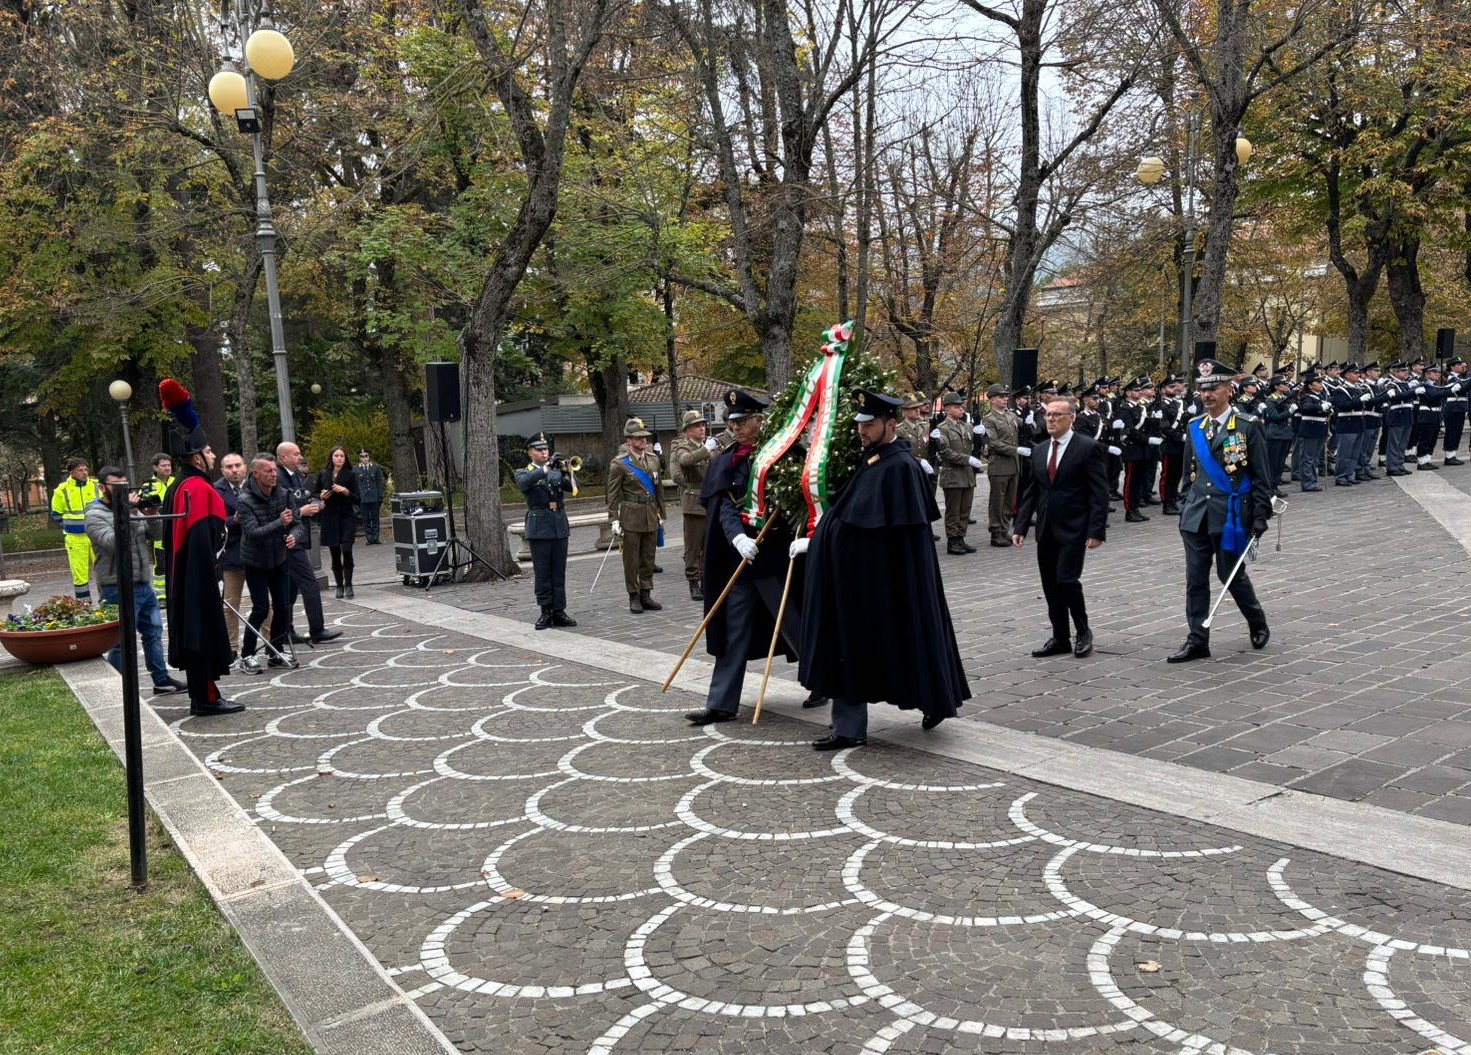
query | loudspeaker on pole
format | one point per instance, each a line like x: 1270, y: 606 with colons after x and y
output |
x: 1024, y: 369
x: 1445, y: 343
x: 442, y: 391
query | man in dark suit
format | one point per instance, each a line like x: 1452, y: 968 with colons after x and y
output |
x: 1227, y: 503
x: 1067, y: 494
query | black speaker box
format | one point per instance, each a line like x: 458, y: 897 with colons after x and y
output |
x: 442, y: 391
x: 1445, y: 343
x: 1024, y: 369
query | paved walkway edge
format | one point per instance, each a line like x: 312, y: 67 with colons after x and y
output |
x: 1420, y: 847
x: 1450, y: 506
x: 341, y: 998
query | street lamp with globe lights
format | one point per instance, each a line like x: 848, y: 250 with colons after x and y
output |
x: 121, y: 391
x: 1149, y: 172
x: 268, y: 55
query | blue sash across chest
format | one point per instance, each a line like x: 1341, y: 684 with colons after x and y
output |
x: 1235, y: 538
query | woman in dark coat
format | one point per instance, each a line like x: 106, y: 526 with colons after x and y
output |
x: 338, y: 488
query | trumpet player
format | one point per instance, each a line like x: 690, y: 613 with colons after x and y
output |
x: 546, y: 481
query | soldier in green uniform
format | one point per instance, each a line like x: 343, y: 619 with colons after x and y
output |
x: 546, y: 482
x: 912, y: 430
x: 957, y: 471
x: 1003, y: 463
x: 689, y: 458
x: 636, y: 508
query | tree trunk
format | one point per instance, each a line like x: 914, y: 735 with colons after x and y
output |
x: 238, y: 329
x: 609, y: 382
x: 671, y: 348
x: 396, y: 405
x: 1225, y: 188
x: 1406, y: 295
x: 209, y: 389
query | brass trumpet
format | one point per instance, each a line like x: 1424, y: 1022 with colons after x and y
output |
x: 572, y: 464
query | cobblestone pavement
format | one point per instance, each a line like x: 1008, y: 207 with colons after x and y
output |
x: 551, y: 860
x: 1363, y: 694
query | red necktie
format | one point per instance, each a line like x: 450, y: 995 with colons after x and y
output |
x: 1052, y: 464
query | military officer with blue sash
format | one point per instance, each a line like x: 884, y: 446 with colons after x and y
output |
x: 1227, y: 503
x: 546, y: 482
x: 636, y: 508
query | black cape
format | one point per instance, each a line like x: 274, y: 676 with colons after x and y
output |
x: 191, y: 577
x: 722, y: 494
x: 876, y: 625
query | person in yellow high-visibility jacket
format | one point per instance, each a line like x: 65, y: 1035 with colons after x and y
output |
x: 156, y: 488
x: 69, y: 509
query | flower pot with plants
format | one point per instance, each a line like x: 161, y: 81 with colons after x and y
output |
x: 62, y: 630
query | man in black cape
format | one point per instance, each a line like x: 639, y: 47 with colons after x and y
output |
x: 876, y: 625
x: 742, y: 628
x: 193, y: 540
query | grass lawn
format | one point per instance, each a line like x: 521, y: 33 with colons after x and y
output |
x: 29, y: 532
x: 86, y: 964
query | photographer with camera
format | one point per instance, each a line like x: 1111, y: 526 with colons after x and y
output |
x: 147, y: 529
x: 546, y: 482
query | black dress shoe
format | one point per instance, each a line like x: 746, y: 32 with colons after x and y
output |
x: 1133, y: 516
x: 170, y: 687
x: 1260, y: 636
x: 707, y: 716
x: 1311, y: 489
x: 545, y: 619
x: 814, y: 700
x: 297, y: 639
x: 324, y: 635
x: 561, y: 618
x: 218, y: 707
x: 929, y: 721
x: 1053, y: 647
x: 1453, y: 460
x: 1083, y: 644
x: 1115, y: 496
x: 1397, y: 472
x: 1188, y: 652
x: 1431, y: 466
x: 1172, y: 510
x: 834, y: 742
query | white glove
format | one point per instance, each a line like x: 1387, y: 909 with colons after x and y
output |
x: 975, y: 463
x: 1456, y: 389
x: 617, y: 529
x: 1118, y: 423
x: 979, y: 430
x: 1114, y: 451
x: 1292, y: 408
x: 1155, y: 441
x: 745, y: 546
x: 1261, y: 408
x: 1025, y: 452
x: 658, y: 449
x: 927, y: 467
x: 935, y: 434
x: 797, y: 548
x: 1420, y: 390
x: 1366, y: 398
x: 711, y: 443
x: 1156, y: 415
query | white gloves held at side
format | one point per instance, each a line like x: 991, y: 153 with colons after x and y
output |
x: 975, y: 463
x: 1155, y: 441
x: 617, y: 529
x: 745, y: 546
x: 1114, y: 451
x: 935, y: 434
x: 797, y: 548
x: 1118, y: 423
x: 1025, y: 452
x: 979, y: 430
x: 927, y: 467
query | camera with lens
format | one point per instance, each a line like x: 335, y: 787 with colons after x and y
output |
x: 149, y: 500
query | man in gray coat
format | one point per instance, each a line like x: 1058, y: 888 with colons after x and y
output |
x: 147, y: 529
x: 957, y: 471
x: 546, y: 482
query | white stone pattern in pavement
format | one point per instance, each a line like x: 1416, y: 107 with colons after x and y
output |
x: 446, y: 764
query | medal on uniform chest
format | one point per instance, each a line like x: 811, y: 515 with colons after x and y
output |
x: 1233, y: 447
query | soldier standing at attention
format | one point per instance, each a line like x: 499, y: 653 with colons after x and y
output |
x: 689, y: 459
x: 913, y: 432
x: 370, y: 496
x: 1457, y: 398
x: 957, y: 471
x: 546, y: 482
x: 636, y: 507
x: 1003, y: 467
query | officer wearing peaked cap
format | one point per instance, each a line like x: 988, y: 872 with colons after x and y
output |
x: 1227, y: 503
x: 1454, y: 408
x: 870, y: 556
x: 636, y: 508
x: 546, y: 484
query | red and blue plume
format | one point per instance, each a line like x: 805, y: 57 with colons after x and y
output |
x: 178, y: 402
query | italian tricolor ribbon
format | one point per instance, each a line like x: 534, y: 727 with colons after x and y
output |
x: 817, y: 404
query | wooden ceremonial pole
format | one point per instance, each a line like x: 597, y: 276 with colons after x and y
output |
x: 700, y: 630
x: 771, y: 652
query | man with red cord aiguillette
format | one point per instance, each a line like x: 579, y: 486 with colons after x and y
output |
x: 193, y: 538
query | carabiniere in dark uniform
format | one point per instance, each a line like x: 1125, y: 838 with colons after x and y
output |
x: 546, y: 483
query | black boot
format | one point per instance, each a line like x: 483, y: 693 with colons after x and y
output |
x: 561, y: 618
x: 546, y: 617
x: 696, y: 594
x: 339, y: 587
x: 635, y: 605
x: 347, y: 586
x: 646, y: 598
